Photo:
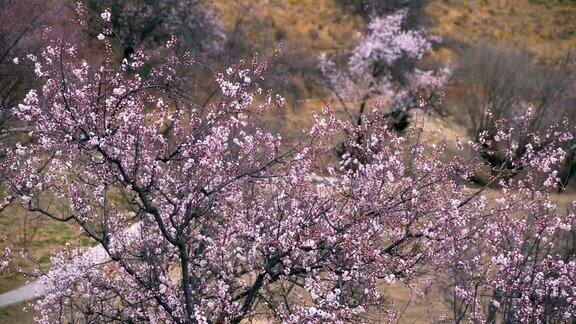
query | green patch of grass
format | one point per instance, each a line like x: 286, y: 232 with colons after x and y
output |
x: 16, y: 315
x: 45, y: 258
x: 84, y: 241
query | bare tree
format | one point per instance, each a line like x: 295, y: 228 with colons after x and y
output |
x: 20, y: 22
x: 501, y: 83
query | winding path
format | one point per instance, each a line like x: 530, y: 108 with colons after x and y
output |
x: 27, y: 292
x: 36, y: 289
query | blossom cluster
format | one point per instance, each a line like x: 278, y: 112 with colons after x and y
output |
x: 382, y: 67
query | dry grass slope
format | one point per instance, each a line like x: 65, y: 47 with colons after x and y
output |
x: 547, y: 29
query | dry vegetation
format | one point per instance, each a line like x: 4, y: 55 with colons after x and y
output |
x: 317, y: 25
x: 545, y: 28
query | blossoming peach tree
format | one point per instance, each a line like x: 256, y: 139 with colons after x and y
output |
x: 382, y: 67
x: 234, y: 223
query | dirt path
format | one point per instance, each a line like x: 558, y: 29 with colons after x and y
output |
x: 36, y: 289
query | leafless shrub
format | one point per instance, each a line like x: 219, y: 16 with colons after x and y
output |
x: 153, y: 22
x: 19, y: 22
x: 499, y: 81
x: 493, y: 77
